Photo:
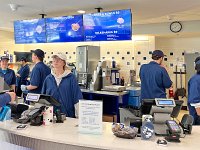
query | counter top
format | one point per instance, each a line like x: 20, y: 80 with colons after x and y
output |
x: 67, y: 133
x: 133, y: 88
x: 105, y: 92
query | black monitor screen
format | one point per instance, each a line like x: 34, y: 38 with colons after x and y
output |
x: 146, y: 106
x: 27, y: 55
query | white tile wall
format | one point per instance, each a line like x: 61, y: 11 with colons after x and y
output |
x: 124, y: 52
x: 177, y: 46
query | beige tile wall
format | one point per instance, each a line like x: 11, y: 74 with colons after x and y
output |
x: 124, y: 52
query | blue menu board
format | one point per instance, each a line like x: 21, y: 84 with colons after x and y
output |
x: 65, y: 29
x: 30, y: 31
x: 108, y: 26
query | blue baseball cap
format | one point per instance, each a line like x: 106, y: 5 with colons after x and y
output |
x: 23, y: 59
x: 197, y: 60
x: 158, y: 53
x: 38, y: 53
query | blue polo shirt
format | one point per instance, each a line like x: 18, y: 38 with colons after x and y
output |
x: 67, y: 93
x: 194, y: 96
x: 24, y: 73
x: 154, y: 81
x: 4, y: 99
x: 38, y: 75
x: 9, y: 76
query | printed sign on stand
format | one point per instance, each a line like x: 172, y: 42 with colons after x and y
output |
x: 90, y: 116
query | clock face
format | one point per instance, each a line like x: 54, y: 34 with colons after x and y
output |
x: 175, y: 26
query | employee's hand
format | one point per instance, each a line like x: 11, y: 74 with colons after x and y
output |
x: 198, y: 111
x: 18, y: 75
x: 13, y: 96
x: 23, y: 88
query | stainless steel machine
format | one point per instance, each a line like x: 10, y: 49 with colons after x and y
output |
x: 87, y: 58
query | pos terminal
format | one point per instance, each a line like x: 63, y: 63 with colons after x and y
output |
x: 43, y: 114
x: 161, y: 112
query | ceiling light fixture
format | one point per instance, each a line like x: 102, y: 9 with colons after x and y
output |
x: 13, y: 7
x: 43, y: 15
x: 98, y: 9
x: 81, y: 11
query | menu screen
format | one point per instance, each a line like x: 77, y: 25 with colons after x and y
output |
x: 65, y: 29
x: 30, y: 31
x: 108, y: 26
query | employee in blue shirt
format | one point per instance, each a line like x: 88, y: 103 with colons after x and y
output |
x: 6, y: 73
x: 194, y: 93
x: 6, y: 98
x: 154, y: 78
x: 63, y: 86
x: 38, y: 74
x: 22, y: 76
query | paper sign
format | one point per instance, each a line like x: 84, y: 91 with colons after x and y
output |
x: 90, y: 116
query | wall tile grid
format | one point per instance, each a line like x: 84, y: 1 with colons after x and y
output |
x: 123, y: 52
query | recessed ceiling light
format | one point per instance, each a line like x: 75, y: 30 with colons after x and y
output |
x: 13, y: 7
x: 81, y: 11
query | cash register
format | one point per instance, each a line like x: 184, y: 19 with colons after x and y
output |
x: 40, y: 101
x: 161, y: 112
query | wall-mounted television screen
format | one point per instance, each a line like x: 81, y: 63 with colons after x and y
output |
x: 27, y: 55
x: 65, y: 29
x: 108, y: 26
x: 30, y: 31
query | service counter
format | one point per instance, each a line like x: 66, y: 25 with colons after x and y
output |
x: 65, y: 136
x: 111, y: 100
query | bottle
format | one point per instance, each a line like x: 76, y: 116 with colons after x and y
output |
x: 122, y: 81
x: 11, y: 58
x: 171, y: 92
x: 58, y: 116
x: 113, y: 63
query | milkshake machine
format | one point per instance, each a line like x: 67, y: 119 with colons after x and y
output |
x: 87, y: 58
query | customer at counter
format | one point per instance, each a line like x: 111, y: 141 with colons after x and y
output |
x: 62, y: 85
x: 154, y: 78
x: 6, y: 98
x: 22, y: 76
x: 39, y: 73
x: 6, y: 73
x: 194, y: 93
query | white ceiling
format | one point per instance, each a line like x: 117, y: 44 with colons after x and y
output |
x: 144, y: 11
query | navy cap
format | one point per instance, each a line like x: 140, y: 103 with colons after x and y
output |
x: 23, y: 59
x: 158, y: 53
x: 4, y: 57
x: 197, y: 64
x: 38, y: 53
x: 197, y: 60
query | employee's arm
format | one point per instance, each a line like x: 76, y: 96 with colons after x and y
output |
x: 12, y: 96
x: 13, y: 87
x: 35, y: 80
x: 166, y: 79
x: 25, y: 74
x: 198, y: 110
x: 6, y: 98
x: 31, y: 87
x: 18, y: 75
x: 194, y: 95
